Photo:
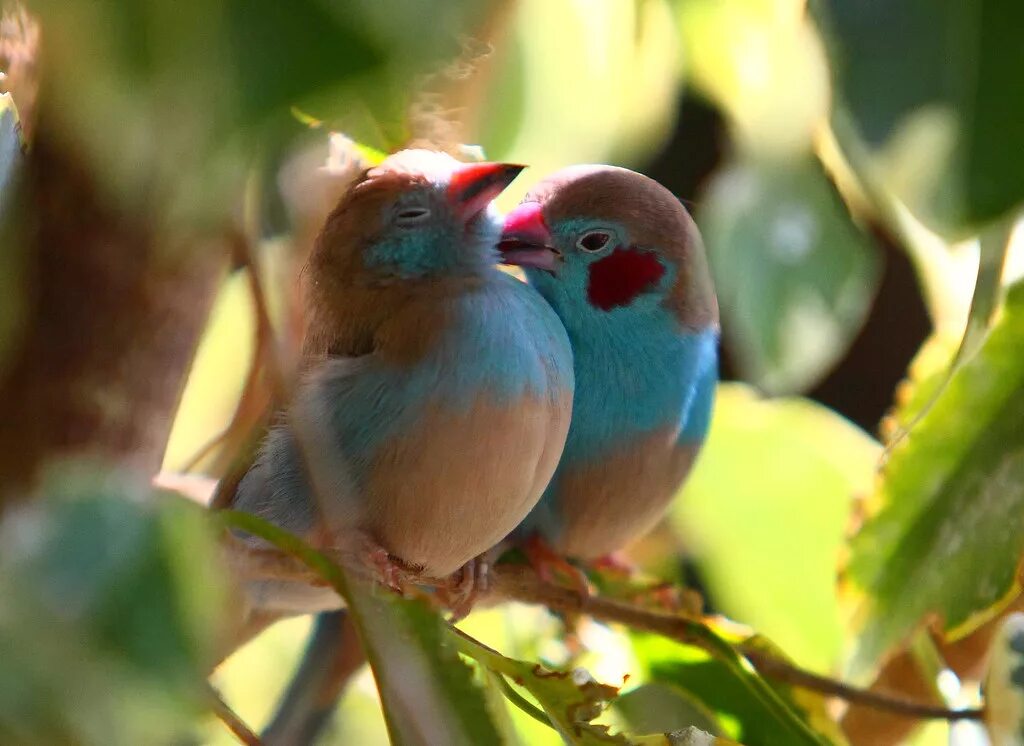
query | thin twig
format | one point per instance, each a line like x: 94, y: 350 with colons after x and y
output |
x: 520, y: 583
x: 779, y: 670
x: 233, y: 722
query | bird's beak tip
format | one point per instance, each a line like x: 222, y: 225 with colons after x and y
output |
x: 526, y: 239
x: 475, y: 185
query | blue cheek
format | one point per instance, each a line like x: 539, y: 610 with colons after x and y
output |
x: 410, y: 253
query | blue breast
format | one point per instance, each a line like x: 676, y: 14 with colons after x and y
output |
x: 503, y: 342
x: 637, y: 371
x: 634, y: 383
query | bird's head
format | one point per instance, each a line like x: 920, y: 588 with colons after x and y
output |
x: 595, y: 240
x: 419, y: 214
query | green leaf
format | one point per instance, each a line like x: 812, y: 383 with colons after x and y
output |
x: 625, y: 55
x: 659, y: 707
x: 111, y: 614
x: 741, y: 710
x: 427, y: 692
x: 179, y: 93
x: 794, y: 275
x: 569, y: 699
x: 747, y: 56
x: 993, y: 151
x: 993, y: 249
x: 932, y: 87
x: 285, y: 52
x: 947, y: 534
x: 764, y: 513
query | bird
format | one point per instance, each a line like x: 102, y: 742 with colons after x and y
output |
x: 622, y: 263
x: 436, y: 390
x: 619, y: 260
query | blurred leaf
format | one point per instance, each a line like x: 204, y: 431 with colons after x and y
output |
x: 718, y: 687
x: 946, y: 537
x: 426, y: 51
x: 11, y: 163
x: 993, y: 249
x: 614, y: 87
x: 763, y: 64
x: 285, y: 51
x: 116, y: 88
x: 217, y: 375
x: 110, y: 615
x: 663, y: 707
x: 768, y: 503
x: 794, y: 275
x: 184, y: 149
x: 936, y: 78
x: 427, y: 692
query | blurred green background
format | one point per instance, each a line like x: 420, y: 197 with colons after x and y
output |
x: 841, y: 160
x: 727, y: 102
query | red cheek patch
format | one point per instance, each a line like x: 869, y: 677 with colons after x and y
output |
x: 621, y: 276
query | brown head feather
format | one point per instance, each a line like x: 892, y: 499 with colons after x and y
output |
x: 656, y: 221
x: 351, y: 310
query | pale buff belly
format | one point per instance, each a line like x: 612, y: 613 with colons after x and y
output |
x: 458, y: 483
x: 613, y: 500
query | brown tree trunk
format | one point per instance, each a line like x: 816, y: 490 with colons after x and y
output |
x: 112, y: 311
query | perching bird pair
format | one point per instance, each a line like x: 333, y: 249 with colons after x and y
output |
x: 446, y: 406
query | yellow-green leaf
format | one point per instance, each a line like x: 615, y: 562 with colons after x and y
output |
x: 947, y: 537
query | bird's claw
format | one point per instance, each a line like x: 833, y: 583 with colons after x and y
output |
x: 466, y: 586
x: 614, y: 564
x: 546, y: 562
x: 384, y: 567
x: 388, y: 572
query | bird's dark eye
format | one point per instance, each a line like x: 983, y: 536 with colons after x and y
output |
x: 411, y: 216
x: 592, y: 241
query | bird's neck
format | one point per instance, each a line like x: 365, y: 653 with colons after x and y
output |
x: 637, y: 375
x: 399, y: 320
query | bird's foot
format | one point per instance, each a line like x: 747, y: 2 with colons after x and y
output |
x: 618, y: 578
x: 614, y: 564
x: 387, y: 570
x: 661, y: 596
x: 384, y: 567
x: 549, y: 564
x: 466, y: 586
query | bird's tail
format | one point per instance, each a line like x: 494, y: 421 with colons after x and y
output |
x: 332, y: 656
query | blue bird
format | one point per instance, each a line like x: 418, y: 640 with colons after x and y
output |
x: 622, y: 263
x: 437, y: 390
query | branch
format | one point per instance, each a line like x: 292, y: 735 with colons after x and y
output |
x: 233, y: 722
x: 520, y: 583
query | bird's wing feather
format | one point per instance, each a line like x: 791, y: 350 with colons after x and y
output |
x: 342, y: 409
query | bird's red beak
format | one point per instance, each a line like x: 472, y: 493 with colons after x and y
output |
x: 526, y: 240
x: 474, y: 186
